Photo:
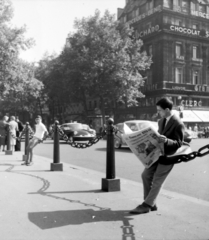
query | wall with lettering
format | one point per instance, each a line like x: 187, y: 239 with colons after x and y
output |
x: 187, y: 31
x: 148, y: 31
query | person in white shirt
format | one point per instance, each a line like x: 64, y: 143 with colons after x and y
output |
x: 40, y: 134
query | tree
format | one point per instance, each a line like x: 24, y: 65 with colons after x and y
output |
x: 23, y: 91
x: 19, y: 89
x: 104, y: 61
x: 55, y: 91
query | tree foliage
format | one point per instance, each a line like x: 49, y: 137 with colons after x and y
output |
x: 104, y: 61
x: 17, y: 82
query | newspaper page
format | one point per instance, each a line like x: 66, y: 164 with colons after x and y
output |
x: 144, y: 144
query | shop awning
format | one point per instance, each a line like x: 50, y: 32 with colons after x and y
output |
x: 189, y: 116
x: 203, y: 115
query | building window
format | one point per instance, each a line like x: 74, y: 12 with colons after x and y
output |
x: 167, y: 3
x: 195, y: 77
x: 179, y: 49
x: 185, y: 6
x: 166, y: 19
x: 157, y: 3
x: 143, y: 8
x: 178, y: 22
x: 149, y: 4
x: 193, y: 6
x: 177, y: 5
x: 207, y: 80
x: 202, y: 8
x: 148, y: 25
x: 195, y: 25
x: 150, y: 50
x: 195, y: 52
x: 179, y: 75
x: 149, y: 77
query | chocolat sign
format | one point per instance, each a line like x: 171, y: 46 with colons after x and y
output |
x: 189, y: 31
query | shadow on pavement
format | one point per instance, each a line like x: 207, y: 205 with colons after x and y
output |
x: 47, y: 220
x: 55, y: 219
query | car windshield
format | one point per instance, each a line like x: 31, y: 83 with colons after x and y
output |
x: 86, y: 127
x: 73, y: 126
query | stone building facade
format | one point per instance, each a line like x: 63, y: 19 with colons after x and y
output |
x: 176, y: 34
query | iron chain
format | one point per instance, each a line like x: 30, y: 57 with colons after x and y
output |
x: 203, y: 151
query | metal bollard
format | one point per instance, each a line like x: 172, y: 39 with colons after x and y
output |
x: 109, y: 183
x: 56, y: 165
x: 26, y: 140
x: 8, y: 151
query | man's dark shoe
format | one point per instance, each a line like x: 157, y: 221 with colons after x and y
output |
x: 141, y: 209
x: 154, y: 208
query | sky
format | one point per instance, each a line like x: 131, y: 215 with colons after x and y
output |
x: 49, y: 21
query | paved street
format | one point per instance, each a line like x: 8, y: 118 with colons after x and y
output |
x: 188, y: 178
x: 38, y: 204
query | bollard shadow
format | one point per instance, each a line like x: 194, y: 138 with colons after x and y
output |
x: 55, y: 219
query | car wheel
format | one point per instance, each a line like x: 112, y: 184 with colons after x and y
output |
x: 117, y: 144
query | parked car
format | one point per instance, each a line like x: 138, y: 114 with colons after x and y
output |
x: 86, y: 127
x: 78, y: 131
x: 136, y: 125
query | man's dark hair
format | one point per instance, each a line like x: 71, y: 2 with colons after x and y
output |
x: 39, y: 117
x: 165, y: 103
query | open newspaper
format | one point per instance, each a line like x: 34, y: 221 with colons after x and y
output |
x: 145, y: 145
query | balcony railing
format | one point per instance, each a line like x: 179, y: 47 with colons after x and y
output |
x: 197, y: 59
x: 177, y: 8
x: 179, y: 57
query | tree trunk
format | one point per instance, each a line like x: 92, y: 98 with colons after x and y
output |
x: 102, y: 110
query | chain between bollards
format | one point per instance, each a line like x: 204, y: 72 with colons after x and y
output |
x: 56, y: 165
x: 110, y: 184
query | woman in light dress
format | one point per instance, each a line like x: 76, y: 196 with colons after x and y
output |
x: 13, y: 128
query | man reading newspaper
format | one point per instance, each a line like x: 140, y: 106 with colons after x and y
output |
x: 171, y: 134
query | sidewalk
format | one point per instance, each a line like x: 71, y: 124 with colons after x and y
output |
x: 38, y: 204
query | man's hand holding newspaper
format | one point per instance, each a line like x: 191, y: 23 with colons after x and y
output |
x: 148, y: 145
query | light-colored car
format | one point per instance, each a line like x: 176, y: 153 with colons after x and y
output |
x: 91, y: 130
x: 134, y: 125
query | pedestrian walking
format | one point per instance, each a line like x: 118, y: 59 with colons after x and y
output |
x: 171, y: 129
x: 3, y: 132
x: 195, y: 128
x: 18, y: 132
x: 40, y: 134
x: 13, y: 129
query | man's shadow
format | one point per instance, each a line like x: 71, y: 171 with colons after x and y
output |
x: 47, y: 220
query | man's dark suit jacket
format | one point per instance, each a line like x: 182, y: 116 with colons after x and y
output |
x: 174, y: 131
